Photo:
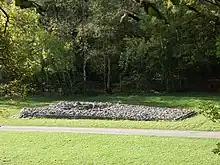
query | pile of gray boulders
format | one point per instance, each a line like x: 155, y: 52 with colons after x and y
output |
x: 97, y: 110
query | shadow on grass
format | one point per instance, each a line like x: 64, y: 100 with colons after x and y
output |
x: 181, y: 100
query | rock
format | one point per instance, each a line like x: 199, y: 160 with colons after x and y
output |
x: 96, y: 110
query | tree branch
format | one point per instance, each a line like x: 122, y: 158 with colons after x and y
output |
x: 216, y: 20
x: 129, y: 14
x: 195, y: 10
x: 133, y: 16
x: 146, y: 5
x: 7, y: 19
x: 215, y: 3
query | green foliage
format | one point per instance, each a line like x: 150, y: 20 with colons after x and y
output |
x: 217, y: 150
x: 175, y: 2
x: 73, y: 38
x: 126, y: 41
x: 4, y: 113
x: 218, y: 47
x: 14, y: 89
x: 211, y: 111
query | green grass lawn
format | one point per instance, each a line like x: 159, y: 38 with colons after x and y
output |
x: 66, y: 148
x: 183, y: 100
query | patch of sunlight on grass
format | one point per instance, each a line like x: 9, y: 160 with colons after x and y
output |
x: 66, y: 148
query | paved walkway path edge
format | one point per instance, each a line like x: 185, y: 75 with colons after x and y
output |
x: 114, y: 131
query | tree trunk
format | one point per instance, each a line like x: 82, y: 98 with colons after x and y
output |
x: 83, y: 44
x: 64, y: 79
x: 70, y: 81
x: 104, y: 73
x: 120, y: 83
x: 84, y: 72
x: 109, y: 90
x: 43, y: 80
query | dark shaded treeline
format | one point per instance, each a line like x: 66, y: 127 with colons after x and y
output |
x: 83, y: 46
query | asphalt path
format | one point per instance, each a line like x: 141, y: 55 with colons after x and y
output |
x: 142, y: 132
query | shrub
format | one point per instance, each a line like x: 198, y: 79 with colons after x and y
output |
x: 213, y: 112
x: 14, y: 89
x: 4, y: 113
x: 217, y: 150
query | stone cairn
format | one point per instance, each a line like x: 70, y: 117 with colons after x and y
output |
x: 97, y: 110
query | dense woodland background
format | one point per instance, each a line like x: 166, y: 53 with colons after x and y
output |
x: 83, y: 46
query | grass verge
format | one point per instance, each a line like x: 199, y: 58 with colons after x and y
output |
x: 66, y: 148
x: 183, y: 100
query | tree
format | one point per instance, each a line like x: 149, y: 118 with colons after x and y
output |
x: 143, y: 44
x: 213, y: 112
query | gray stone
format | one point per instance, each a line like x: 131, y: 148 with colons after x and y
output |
x: 97, y: 110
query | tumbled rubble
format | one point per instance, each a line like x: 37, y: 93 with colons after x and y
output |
x: 97, y: 110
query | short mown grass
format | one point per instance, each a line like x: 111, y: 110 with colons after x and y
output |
x: 66, y: 148
x: 182, y: 100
